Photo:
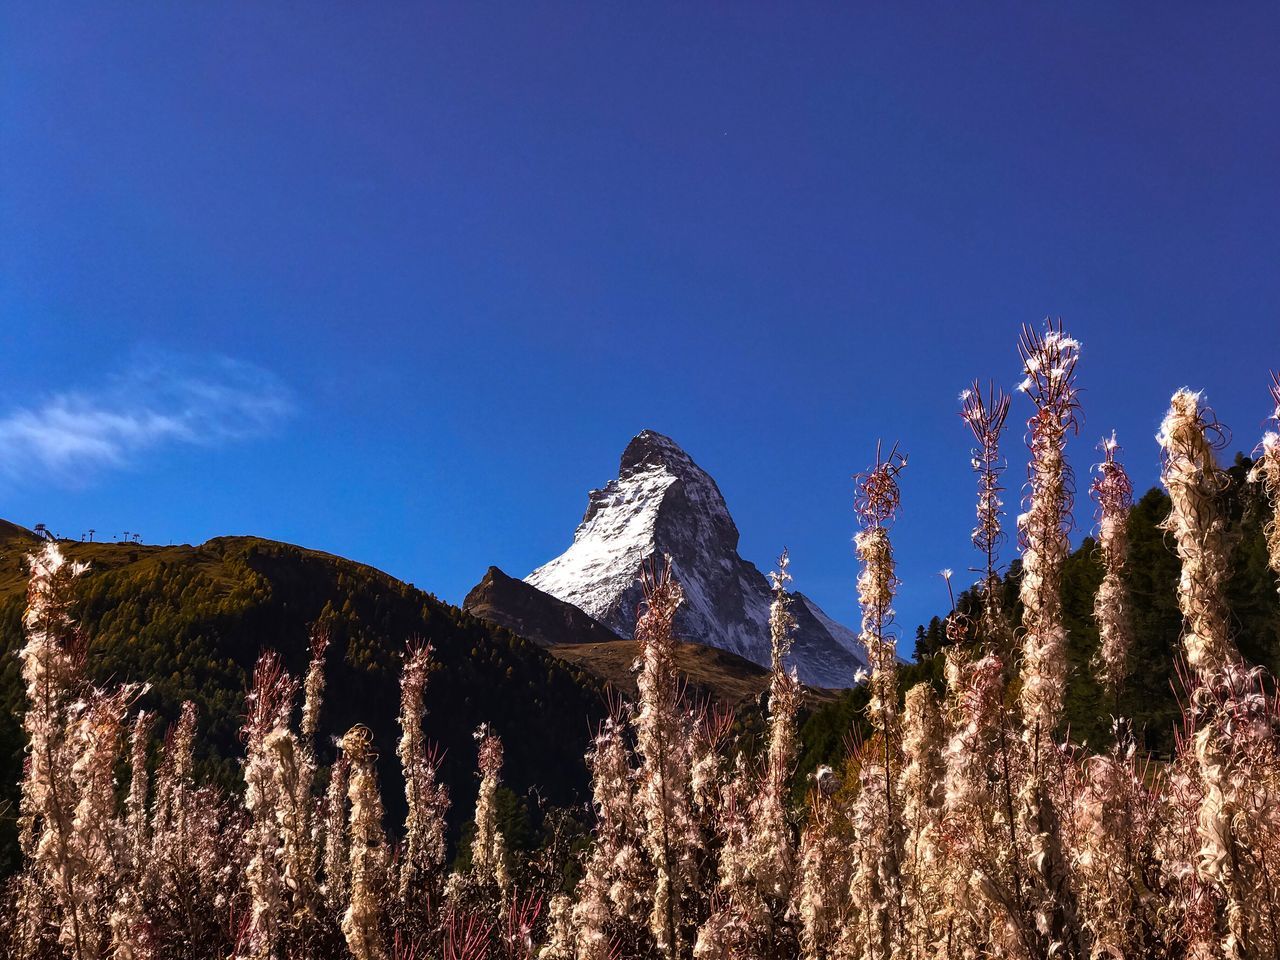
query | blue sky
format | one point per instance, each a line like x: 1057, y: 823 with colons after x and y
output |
x: 400, y: 281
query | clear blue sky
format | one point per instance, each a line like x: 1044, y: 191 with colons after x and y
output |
x: 400, y: 281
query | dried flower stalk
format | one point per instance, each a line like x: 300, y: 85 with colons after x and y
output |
x: 427, y: 800
x: 488, y: 847
x: 1048, y: 362
x: 1195, y: 483
x: 663, y: 793
x: 1113, y: 493
x: 362, y: 922
x: 876, y: 884
x: 1266, y: 470
x: 985, y: 415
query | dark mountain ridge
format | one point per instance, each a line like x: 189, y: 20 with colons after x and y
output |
x: 534, y: 615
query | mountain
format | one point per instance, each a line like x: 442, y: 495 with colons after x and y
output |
x: 570, y: 635
x: 192, y: 620
x: 662, y: 503
x: 527, y: 611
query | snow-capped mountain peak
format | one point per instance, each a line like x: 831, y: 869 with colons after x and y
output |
x: 662, y: 503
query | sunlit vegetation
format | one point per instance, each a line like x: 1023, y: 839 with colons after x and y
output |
x: 1084, y: 761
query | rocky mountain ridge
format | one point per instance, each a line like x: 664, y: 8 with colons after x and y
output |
x: 663, y: 504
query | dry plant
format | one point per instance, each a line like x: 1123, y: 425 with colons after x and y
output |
x: 985, y: 415
x: 1049, y: 362
x: 876, y: 926
x: 1266, y: 470
x: 1113, y: 493
x: 965, y: 825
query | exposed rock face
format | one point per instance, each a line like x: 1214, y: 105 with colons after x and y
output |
x: 664, y: 503
x: 532, y: 614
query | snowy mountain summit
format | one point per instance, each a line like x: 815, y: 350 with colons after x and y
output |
x: 664, y: 503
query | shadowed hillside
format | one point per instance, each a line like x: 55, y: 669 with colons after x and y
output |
x: 191, y: 621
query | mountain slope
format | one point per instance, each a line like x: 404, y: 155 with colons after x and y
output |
x: 571, y: 635
x: 662, y: 503
x: 708, y: 672
x: 192, y: 620
x: 532, y: 614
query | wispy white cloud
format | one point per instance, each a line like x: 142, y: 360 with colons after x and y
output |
x: 160, y: 399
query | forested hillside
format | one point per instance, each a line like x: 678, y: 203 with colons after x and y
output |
x: 191, y: 621
x: 1150, y: 698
